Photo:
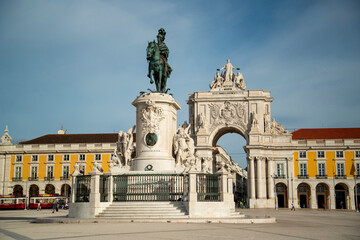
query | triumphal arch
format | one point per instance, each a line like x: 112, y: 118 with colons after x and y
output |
x: 229, y: 108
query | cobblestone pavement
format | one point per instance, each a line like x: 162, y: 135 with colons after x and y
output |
x: 301, y: 224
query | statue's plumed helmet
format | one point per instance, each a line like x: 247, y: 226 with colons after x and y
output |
x: 162, y: 32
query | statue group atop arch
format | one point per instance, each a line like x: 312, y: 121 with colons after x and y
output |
x: 228, y: 80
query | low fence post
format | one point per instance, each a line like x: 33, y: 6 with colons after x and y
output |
x: 192, y: 187
x: 94, y: 191
x: 73, y: 186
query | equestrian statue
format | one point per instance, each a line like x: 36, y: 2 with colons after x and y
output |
x: 159, y: 69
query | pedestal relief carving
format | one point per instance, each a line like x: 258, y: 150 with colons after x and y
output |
x: 151, y: 117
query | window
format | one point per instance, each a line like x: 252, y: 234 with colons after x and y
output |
x: 18, y: 158
x: 82, y: 157
x: 18, y: 172
x: 66, y: 172
x: 50, y: 158
x: 340, y: 170
x: 357, y: 154
x: 97, y: 156
x: 82, y: 169
x: 34, y: 172
x: 303, y: 169
x: 357, y: 166
x: 321, y: 169
x: 280, y: 169
x: 66, y: 157
x: 321, y: 154
x: 34, y: 158
x: 302, y: 154
x: 339, y: 154
x: 50, y: 172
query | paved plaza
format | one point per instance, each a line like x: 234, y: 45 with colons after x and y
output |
x: 301, y: 224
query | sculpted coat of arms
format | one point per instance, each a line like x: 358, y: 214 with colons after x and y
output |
x: 151, y: 117
x: 227, y: 113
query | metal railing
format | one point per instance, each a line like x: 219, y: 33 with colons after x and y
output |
x: 17, y: 179
x: 64, y: 177
x: 282, y: 176
x: 150, y: 187
x: 208, y: 187
x: 342, y: 176
x: 83, y: 188
x: 303, y: 176
x: 33, y: 178
x: 321, y: 176
x: 49, y: 178
x: 104, y: 186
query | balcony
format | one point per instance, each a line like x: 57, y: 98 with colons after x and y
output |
x: 33, y: 178
x: 64, y: 177
x: 49, y: 178
x: 357, y: 176
x: 17, y: 179
x: 321, y: 176
x: 303, y: 176
x: 281, y: 176
x: 340, y: 176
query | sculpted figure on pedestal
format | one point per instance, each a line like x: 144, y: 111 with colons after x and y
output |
x: 184, y: 147
x: 218, y: 81
x: 125, y: 146
x: 228, y: 74
x: 277, y: 128
x: 239, y: 81
x: 201, y: 121
x: 206, y: 164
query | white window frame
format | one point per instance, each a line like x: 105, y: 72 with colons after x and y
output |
x: 34, y: 174
x: 82, y: 155
x: 18, y: 173
x: 317, y: 154
x: 18, y: 158
x: 50, y: 159
x: 97, y: 157
x: 320, y: 173
x: 301, y: 170
x: 340, y: 171
x: 68, y: 171
x: 300, y: 153
x: 280, y: 169
x: 34, y: 158
x: 83, y: 169
x: 357, y: 154
x: 52, y: 172
x: 357, y: 168
x: 66, y: 157
x: 342, y: 154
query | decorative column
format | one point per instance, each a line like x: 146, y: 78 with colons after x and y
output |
x: 332, y: 198
x: 259, y: 193
x: 73, y: 184
x: 351, y: 204
x: 270, y: 182
x: 313, y: 197
x: 111, y: 189
x: 252, y: 178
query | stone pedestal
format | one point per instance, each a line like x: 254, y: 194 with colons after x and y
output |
x: 156, y: 115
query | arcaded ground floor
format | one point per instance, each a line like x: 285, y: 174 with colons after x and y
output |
x: 301, y: 224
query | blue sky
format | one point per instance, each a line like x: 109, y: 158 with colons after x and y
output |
x: 80, y: 63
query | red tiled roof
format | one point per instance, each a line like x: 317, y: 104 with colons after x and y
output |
x: 326, y: 133
x: 74, y: 138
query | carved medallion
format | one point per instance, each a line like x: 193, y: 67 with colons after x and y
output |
x: 151, y: 117
x: 227, y: 113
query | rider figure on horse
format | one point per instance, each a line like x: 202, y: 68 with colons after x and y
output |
x: 164, y: 51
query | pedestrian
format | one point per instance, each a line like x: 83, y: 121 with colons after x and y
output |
x: 292, y: 207
x: 57, y: 207
x: 324, y: 206
x: 38, y: 207
x: 53, y: 208
x: 342, y: 205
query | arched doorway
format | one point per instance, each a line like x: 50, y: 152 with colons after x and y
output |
x: 357, y: 196
x: 229, y: 144
x: 341, y: 195
x: 34, y: 190
x: 304, y: 195
x: 282, y: 195
x: 49, y: 189
x: 322, y: 195
x: 18, y: 191
x: 65, y: 190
